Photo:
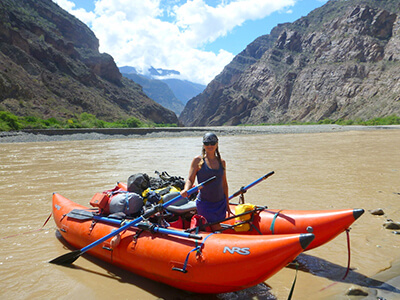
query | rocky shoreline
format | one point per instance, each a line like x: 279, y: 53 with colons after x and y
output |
x: 51, y: 135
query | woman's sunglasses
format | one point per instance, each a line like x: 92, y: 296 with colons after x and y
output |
x: 209, y: 143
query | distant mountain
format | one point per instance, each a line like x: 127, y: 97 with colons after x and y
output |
x: 50, y: 66
x: 341, y: 61
x: 157, y: 90
x: 128, y: 70
x: 184, y: 90
x: 170, y: 92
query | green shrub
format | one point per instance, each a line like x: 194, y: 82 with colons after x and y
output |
x: 10, y: 121
x: 31, y: 119
x: 133, y: 122
x: 53, y: 121
x: 326, y: 121
x: 72, y: 123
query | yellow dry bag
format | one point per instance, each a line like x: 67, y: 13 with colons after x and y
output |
x: 240, y: 209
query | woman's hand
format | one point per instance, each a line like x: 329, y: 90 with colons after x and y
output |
x: 184, y: 193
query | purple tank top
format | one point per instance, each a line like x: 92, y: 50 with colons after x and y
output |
x: 212, y: 192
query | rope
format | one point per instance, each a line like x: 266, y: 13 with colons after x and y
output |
x: 348, y: 253
x: 294, y: 282
x: 348, y: 261
x: 44, y: 224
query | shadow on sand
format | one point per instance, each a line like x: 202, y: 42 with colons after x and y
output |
x: 322, y: 268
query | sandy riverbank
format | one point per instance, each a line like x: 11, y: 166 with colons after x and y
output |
x: 384, y: 285
x: 50, y: 135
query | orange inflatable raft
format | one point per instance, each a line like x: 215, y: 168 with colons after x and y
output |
x: 215, y: 263
x: 324, y: 224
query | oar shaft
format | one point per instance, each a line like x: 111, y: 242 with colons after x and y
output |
x: 151, y: 228
x: 244, y: 189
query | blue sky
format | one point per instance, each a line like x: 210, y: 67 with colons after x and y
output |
x: 195, y: 37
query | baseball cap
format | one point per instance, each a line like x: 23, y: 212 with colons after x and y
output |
x: 210, y: 137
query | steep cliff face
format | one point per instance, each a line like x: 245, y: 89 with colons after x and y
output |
x: 341, y: 61
x: 50, y: 66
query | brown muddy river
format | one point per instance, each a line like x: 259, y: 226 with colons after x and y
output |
x: 355, y: 169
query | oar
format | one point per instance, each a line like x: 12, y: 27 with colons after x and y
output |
x: 69, y: 258
x: 153, y: 228
x: 245, y: 188
x: 84, y: 215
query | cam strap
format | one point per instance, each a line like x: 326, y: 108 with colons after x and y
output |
x: 198, y: 249
x: 272, y: 227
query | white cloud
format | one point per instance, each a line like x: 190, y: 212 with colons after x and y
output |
x: 170, y: 35
x: 202, y: 23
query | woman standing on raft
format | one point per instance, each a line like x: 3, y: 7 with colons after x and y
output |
x: 213, y: 199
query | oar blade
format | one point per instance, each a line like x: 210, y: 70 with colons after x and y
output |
x: 67, y: 259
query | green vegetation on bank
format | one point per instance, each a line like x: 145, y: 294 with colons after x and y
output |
x: 389, y: 120
x: 9, y: 121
